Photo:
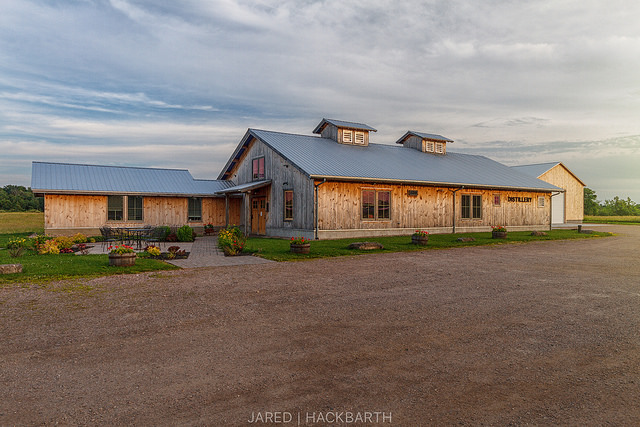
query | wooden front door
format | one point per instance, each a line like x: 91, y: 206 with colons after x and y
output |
x: 258, y: 215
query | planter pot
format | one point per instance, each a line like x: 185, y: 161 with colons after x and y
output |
x: 208, y: 231
x: 499, y: 234
x: 420, y: 240
x: 122, y: 260
x: 300, y: 249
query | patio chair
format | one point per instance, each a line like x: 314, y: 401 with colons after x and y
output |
x: 154, y: 237
x: 109, y: 236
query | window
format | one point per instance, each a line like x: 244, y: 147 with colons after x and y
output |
x: 288, y: 205
x: 376, y: 204
x: 384, y: 208
x: 430, y: 145
x: 541, y: 201
x: 134, y: 208
x: 496, y: 200
x: 471, y: 206
x: 195, y: 209
x: 347, y: 136
x: 359, y: 138
x: 115, y: 208
x: 440, y: 147
x: 258, y: 168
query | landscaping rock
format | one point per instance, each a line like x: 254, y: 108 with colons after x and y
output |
x: 538, y: 233
x: 365, y: 246
x: 10, y: 268
x: 466, y: 239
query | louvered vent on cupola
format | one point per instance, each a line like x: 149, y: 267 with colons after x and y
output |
x: 348, y: 133
x: 425, y: 142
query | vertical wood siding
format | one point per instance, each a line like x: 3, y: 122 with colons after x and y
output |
x: 574, y: 195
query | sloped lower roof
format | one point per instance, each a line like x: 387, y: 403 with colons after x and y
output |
x: 343, y: 124
x: 430, y: 136
x: 95, y: 179
x: 540, y: 168
x: 324, y: 158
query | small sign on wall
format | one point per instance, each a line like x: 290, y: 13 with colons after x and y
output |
x: 412, y: 193
x: 520, y: 199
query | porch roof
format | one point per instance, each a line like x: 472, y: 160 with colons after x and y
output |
x: 243, y: 188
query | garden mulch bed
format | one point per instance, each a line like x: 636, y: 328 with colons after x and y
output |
x: 543, y: 333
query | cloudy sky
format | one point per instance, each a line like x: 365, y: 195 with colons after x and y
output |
x: 176, y: 84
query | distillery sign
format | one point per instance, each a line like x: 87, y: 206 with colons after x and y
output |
x: 519, y: 199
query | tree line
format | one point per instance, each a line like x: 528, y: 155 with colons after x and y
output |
x: 613, y: 207
x: 16, y: 198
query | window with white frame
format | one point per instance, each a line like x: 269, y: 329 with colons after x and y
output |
x: 347, y: 136
x: 440, y: 147
x: 541, y: 201
x: 359, y: 138
x: 430, y: 147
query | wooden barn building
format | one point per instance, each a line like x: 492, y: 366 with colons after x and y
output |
x: 331, y: 184
x: 567, y: 206
x: 82, y: 198
x: 338, y: 184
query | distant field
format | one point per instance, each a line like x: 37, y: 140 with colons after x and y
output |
x: 21, y: 222
x: 612, y: 219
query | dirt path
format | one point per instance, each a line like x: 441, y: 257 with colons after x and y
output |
x: 541, y: 333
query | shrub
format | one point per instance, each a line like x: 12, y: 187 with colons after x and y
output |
x: 163, y: 232
x: 173, y: 249
x: 231, y: 240
x: 122, y: 249
x: 171, y: 237
x: 153, y: 250
x: 49, y: 247
x: 64, y: 242
x: 79, y: 238
x: 19, y: 242
x: 185, y: 234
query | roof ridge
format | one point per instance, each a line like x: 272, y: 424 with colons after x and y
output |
x: 108, y: 166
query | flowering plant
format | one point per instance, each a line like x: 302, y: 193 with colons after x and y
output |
x: 208, y: 226
x: 498, y: 228
x: 122, y: 249
x: 153, y: 250
x: 299, y: 241
x: 421, y: 233
x: 231, y: 240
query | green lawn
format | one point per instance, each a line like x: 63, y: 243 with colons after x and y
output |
x: 21, y: 222
x: 278, y: 249
x: 631, y: 220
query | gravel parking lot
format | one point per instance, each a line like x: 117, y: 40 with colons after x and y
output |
x: 543, y: 333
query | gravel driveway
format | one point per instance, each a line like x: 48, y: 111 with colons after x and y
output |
x: 544, y: 333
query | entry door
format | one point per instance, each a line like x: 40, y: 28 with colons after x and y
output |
x: 258, y: 215
x: 557, y: 209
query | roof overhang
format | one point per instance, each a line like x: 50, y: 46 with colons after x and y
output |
x: 40, y: 192
x: 436, y: 184
x: 245, y: 188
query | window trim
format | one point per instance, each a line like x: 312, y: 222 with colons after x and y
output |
x: 440, y: 148
x: 472, y: 206
x: 255, y: 168
x: 189, y: 217
x: 284, y: 204
x: 360, y: 140
x: 122, y: 209
x: 376, y: 204
x: 346, y: 132
x: 430, y: 147
x: 141, y: 209
x: 498, y: 197
x: 543, y: 199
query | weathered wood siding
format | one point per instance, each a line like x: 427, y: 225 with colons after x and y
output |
x: 340, y: 210
x: 67, y: 214
x: 574, y: 191
x: 283, y: 176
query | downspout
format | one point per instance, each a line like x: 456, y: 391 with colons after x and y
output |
x: 454, y: 208
x: 316, y: 204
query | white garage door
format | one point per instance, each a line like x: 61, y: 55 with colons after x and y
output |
x: 557, y: 209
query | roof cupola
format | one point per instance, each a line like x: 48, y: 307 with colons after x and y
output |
x: 348, y: 133
x: 425, y: 142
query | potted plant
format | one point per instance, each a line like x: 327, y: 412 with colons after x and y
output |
x: 498, y: 232
x: 299, y: 245
x: 208, y: 228
x: 121, y: 256
x: 420, y: 237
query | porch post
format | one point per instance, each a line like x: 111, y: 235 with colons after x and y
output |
x: 226, y: 210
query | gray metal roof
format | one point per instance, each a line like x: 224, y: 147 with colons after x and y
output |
x: 343, y: 124
x: 431, y: 136
x: 536, y: 169
x: 246, y: 187
x: 95, y: 179
x: 324, y: 158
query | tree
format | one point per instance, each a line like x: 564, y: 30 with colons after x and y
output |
x: 591, y: 206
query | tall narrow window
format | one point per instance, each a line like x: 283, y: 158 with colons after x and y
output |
x: 115, y: 208
x: 541, y: 201
x: 496, y: 200
x: 258, y: 168
x: 288, y: 205
x: 134, y: 208
x: 368, y: 204
x: 384, y: 206
x: 195, y: 209
x: 471, y: 206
